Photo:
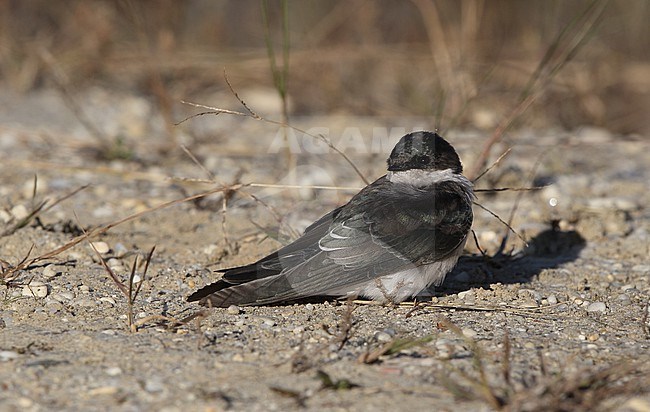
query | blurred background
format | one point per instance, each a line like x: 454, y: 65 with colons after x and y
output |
x: 466, y: 64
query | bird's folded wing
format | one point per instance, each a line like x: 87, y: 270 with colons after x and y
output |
x: 360, y: 247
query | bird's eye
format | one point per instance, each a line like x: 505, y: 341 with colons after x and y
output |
x: 422, y: 160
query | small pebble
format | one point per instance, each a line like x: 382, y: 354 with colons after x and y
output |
x: 597, y: 307
x: 84, y: 288
x: 25, y: 402
x: 108, y: 300
x: 51, y: 271
x: 469, y: 333
x: 35, y: 289
x: 233, y: 310
x: 624, y: 299
x: 593, y: 337
x: 465, y: 294
x: 5, y: 217
x: 298, y: 330
x: 153, y: 386
x: 641, y: 268
x: 19, y: 212
x: 114, y: 371
x: 530, y: 293
x: 383, y: 337
x: 101, y: 247
x: 552, y: 299
x: 529, y: 303
x: 62, y: 296
x: 7, y: 355
x: 120, y: 250
x: 309, y: 306
x: 487, y: 236
x: 85, y: 303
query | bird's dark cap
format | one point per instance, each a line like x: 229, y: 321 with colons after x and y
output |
x: 424, y: 150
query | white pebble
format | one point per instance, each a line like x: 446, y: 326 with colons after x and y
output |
x: 153, y: 385
x: 85, y: 303
x: 35, y: 289
x: 552, y: 299
x: 113, y: 371
x: 624, y: 299
x: 465, y: 294
x: 469, y: 333
x: 19, y: 212
x: 5, y: 217
x: 50, y: 271
x: 383, y: 337
x: 108, y: 300
x: 120, y: 250
x: 115, y: 264
x: 62, y: 296
x: 7, y: 355
x: 101, y: 247
x: 487, y: 236
x: 233, y: 310
x: 597, y: 307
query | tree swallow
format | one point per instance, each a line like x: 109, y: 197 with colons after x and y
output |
x: 396, y: 237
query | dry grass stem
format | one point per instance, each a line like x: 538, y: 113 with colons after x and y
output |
x: 507, y: 225
x: 393, y: 347
x: 563, y: 49
x: 493, y: 165
x: 251, y: 114
x: 39, y: 209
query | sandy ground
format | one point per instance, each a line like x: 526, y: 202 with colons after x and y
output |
x: 570, y: 310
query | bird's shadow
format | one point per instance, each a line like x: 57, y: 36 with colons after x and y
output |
x: 548, y: 250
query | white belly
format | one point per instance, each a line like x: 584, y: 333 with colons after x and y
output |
x: 409, y: 282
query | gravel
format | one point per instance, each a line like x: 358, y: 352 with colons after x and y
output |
x: 575, y: 297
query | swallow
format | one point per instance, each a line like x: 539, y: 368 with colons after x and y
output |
x: 398, y: 236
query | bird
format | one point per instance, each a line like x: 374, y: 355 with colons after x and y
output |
x: 395, y: 238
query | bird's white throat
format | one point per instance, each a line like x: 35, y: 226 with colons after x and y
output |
x: 420, y: 177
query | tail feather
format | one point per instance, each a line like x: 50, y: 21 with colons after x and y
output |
x: 208, y: 290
